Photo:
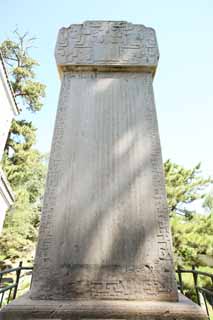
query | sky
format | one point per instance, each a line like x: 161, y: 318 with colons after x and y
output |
x: 183, y: 83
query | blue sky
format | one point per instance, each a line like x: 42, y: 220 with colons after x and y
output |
x: 183, y: 84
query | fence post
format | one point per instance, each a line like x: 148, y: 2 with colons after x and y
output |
x: 18, y: 272
x: 180, y: 278
x: 195, y: 276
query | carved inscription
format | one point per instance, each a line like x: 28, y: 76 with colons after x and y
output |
x: 47, y: 229
x: 165, y: 261
x: 141, y: 266
x: 107, y: 43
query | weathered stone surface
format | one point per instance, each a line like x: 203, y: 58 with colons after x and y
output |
x: 104, y: 232
x: 107, y: 43
x: 27, y: 309
x: 104, y: 248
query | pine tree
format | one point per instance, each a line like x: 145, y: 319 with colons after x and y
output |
x: 24, y: 165
x: 192, y: 238
x: 28, y: 92
x: 191, y: 231
x: 183, y: 186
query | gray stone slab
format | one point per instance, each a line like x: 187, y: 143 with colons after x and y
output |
x: 104, y: 232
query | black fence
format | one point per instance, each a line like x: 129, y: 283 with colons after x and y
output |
x: 203, y: 294
x: 10, y: 280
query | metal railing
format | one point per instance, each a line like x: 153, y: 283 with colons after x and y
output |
x: 9, y: 285
x: 203, y: 295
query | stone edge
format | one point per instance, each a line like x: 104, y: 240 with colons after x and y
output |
x: 24, y: 307
x: 62, y: 68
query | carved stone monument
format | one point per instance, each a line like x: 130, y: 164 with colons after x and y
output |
x: 104, y: 248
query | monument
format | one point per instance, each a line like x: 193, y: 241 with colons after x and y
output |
x: 104, y: 249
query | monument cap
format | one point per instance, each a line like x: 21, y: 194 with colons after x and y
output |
x: 107, y: 46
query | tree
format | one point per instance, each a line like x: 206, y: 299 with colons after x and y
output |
x: 183, y: 187
x: 191, y: 231
x: 21, y: 70
x: 28, y: 92
x: 192, y: 238
x: 208, y: 203
x: 24, y: 165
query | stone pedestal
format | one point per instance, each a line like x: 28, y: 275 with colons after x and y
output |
x: 104, y: 248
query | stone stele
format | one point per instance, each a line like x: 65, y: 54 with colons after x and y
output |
x: 104, y: 249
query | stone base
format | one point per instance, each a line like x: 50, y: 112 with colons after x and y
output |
x: 25, y: 308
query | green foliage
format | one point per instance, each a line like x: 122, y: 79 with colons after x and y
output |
x: 19, y: 233
x: 21, y: 224
x: 24, y: 166
x: 191, y: 231
x: 26, y: 169
x: 22, y: 136
x: 191, y: 238
x: 22, y: 71
x: 183, y: 186
x: 208, y: 203
x: 27, y: 90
